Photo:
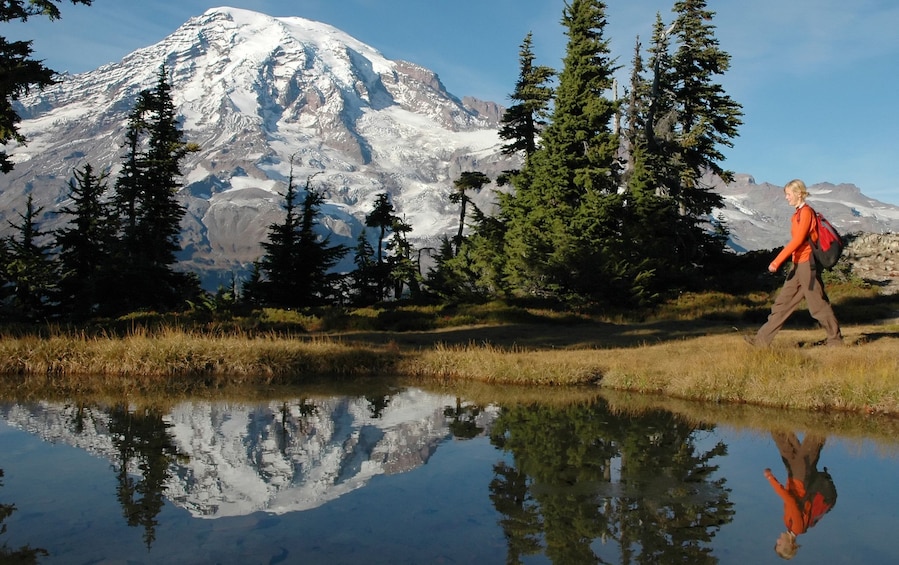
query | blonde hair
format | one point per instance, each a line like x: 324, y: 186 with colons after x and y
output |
x: 786, y: 546
x: 796, y: 186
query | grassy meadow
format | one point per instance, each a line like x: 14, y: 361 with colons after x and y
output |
x: 689, y: 348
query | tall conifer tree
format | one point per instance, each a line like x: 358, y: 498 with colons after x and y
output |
x: 707, y: 117
x: 383, y: 217
x: 148, y: 209
x: 564, y: 235
x: 404, y: 271
x: 317, y: 257
x: 30, y: 267
x: 295, y: 270
x: 468, y: 180
x: 365, y: 283
x: 85, y: 245
x: 678, y: 121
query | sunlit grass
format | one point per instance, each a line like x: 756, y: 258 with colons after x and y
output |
x: 490, y: 364
x: 724, y: 369
x: 716, y: 368
x: 174, y: 359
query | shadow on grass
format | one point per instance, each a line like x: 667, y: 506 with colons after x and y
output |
x: 548, y: 336
x: 851, y: 311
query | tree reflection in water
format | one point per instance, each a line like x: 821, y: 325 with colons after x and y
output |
x: 142, y: 442
x: 582, y: 473
x: 23, y: 555
x: 463, y: 419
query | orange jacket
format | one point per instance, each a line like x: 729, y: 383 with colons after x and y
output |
x: 800, y: 512
x: 798, y: 250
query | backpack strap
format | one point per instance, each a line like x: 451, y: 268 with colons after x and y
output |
x: 813, y: 229
x: 812, y: 239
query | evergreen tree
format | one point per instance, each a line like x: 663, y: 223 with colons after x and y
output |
x: 677, y: 118
x: 524, y: 120
x: 30, y: 268
x: 468, y: 180
x: 442, y: 278
x: 383, y: 217
x: 483, y: 255
x: 19, y: 73
x: 470, y: 267
x: 295, y: 267
x: 253, y: 289
x: 279, y: 266
x: 634, y: 116
x: 580, y: 132
x: 130, y: 183
x: 85, y: 244
x: 650, y: 218
x: 316, y: 255
x: 160, y: 210
x: 476, y: 272
x: 658, y: 125
x: 364, y: 285
x: 148, y: 211
x: 707, y: 117
x: 564, y: 236
x: 404, y: 271
x: 6, y: 285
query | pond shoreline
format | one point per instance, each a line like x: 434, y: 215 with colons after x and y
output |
x: 692, y: 360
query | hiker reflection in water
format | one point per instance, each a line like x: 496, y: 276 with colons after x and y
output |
x: 808, y: 493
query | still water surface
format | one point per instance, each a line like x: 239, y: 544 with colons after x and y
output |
x: 411, y: 476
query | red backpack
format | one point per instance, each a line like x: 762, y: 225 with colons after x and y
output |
x: 829, y: 247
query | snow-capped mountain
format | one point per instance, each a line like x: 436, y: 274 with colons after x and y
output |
x: 257, y: 92
x: 277, y: 457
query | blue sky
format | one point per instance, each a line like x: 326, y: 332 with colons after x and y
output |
x: 817, y: 79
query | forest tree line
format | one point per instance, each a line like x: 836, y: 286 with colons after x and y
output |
x: 609, y: 205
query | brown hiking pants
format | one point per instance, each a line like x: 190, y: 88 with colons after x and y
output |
x: 803, y: 282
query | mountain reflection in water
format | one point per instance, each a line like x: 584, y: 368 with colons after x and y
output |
x: 416, y: 477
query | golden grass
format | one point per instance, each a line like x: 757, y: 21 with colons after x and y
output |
x: 724, y: 369
x: 175, y: 360
x: 716, y: 368
x: 494, y: 365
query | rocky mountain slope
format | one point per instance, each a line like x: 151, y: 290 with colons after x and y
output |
x: 258, y: 93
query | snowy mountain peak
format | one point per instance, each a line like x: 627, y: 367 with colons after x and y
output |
x: 256, y: 92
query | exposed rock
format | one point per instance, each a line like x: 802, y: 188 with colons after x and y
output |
x: 874, y: 257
